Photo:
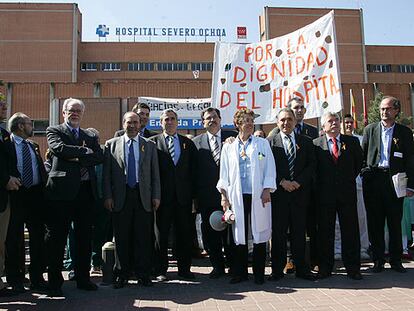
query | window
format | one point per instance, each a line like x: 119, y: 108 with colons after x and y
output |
x: 140, y: 67
x: 40, y: 126
x: 379, y: 68
x: 406, y: 68
x: 111, y: 67
x: 202, y: 66
x: 88, y: 67
x: 172, y: 66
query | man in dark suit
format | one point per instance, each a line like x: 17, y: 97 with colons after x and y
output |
x: 132, y: 192
x: 177, y: 158
x: 143, y: 110
x: 71, y: 189
x: 27, y: 206
x: 388, y: 150
x: 295, y: 165
x: 8, y: 182
x: 209, y: 146
x: 339, y: 161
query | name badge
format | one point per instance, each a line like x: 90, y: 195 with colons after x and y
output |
x: 398, y: 154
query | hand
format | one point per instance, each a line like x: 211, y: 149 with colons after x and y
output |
x: 156, y: 204
x: 295, y: 184
x: 88, y: 150
x: 109, y: 204
x: 410, y: 193
x: 225, y: 204
x: 229, y: 140
x: 13, y: 184
x: 265, y: 196
x: 287, y: 185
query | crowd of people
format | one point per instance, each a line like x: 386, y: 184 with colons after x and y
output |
x: 335, y: 188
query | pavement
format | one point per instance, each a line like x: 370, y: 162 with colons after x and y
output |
x: 388, y: 290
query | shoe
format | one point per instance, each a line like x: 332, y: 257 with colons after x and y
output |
x: 119, y: 283
x: 407, y: 256
x: 259, y: 280
x: 238, y: 279
x: 40, y: 286
x: 377, y: 268
x: 398, y: 267
x: 355, y: 275
x: 55, y: 292
x: 71, y: 275
x: 275, y: 277
x: 162, y: 278
x: 290, y: 267
x: 306, y: 276
x: 216, y: 273
x: 5, y: 292
x: 89, y: 286
x: 146, y: 282
x: 96, y: 270
x: 18, y: 288
x: 187, y: 275
x: 323, y: 275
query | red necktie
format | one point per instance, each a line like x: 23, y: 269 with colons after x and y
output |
x: 335, y: 151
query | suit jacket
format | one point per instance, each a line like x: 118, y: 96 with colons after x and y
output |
x: 7, y: 167
x: 177, y: 181
x: 307, y: 130
x: 115, y: 178
x: 401, y: 154
x: 304, y: 168
x: 68, y: 156
x: 208, y: 172
x: 336, y: 182
x: 147, y: 133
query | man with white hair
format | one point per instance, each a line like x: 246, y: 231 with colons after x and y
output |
x: 71, y: 189
x: 339, y: 161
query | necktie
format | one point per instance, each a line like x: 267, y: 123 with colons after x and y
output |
x: 132, y: 171
x: 291, y: 156
x: 27, y: 174
x: 335, y: 151
x: 216, y: 150
x: 298, y: 129
x: 75, y: 133
x: 171, y: 147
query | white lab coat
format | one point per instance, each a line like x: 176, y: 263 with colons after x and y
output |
x: 263, y: 172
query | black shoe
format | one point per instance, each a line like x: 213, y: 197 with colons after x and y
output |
x: 355, y: 275
x: 39, y: 286
x: 187, y: 275
x: 18, y: 288
x: 146, y: 282
x: 238, y: 279
x: 89, y: 286
x: 323, y: 275
x: 306, y: 276
x: 119, y: 282
x: 398, y: 267
x: 378, y: 267
x: 275, y: 277
x: 57, y: 292
x: 5, y: 292
x: 259, y: 280
x: 216, y: 273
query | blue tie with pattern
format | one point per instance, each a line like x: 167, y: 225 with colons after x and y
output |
x: 132, y: 171
x: 27, y: 174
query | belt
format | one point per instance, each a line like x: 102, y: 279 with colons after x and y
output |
x: 384, y: 170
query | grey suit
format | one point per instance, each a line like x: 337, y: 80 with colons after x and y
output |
x: 132, y: 210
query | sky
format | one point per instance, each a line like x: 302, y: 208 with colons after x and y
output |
x: 385, y: 22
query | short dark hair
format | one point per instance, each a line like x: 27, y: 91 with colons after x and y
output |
x: 348, y: 115
x: 294, y: 99
x: 210, y: 109
x: 16, y: 119
x: 139, y: 106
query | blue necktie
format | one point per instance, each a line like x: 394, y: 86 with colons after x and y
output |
x: 132, y: 171
x: 75, y: 134
x: 27, y: 174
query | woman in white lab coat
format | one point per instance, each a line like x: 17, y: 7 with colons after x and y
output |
x: 247, y: 176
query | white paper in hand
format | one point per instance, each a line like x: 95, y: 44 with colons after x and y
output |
x: 400, y: 184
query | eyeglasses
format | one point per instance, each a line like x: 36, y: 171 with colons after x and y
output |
x: 78, y: 111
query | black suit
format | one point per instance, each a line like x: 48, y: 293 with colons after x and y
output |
x: 307, y: 130
x: 380, y: 198
x: 289, y: 208
x: 147, y: 133
x: 27, y: 206
x: 71, y: 199
x: 337, y: 195
x: 208, y: 198
x: 177, y: 193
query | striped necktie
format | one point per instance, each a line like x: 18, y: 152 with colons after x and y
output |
x: 290, y: 155
x: 171, y: 149
x: 27, y: 174
x: 216, y: 149
x: 132, y: 171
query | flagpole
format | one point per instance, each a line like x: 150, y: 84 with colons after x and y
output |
x: 364, y: 104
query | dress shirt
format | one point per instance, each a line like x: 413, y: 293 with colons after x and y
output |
x: 211, y: 141
x: 338, y: 142
x: 285, y: 144
x: 245, y: 166
x: 73, y: 128
x: 127, y: 143
x: 18, y: 143
x: 386, y: 139
x: 177, y: 148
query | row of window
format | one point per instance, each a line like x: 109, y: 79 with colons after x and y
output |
x: 391, y: 68
x: 146, y: 66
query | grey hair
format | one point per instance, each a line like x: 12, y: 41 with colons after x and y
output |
x: 130, y: 113
x: 327, y: 115
x: 71, y: 100
x: 15, y: 120
x: 164, y: 113
x: 285, y: 109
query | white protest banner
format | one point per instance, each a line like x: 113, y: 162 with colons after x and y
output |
x: 187, y: 109
x: 264, y: 76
